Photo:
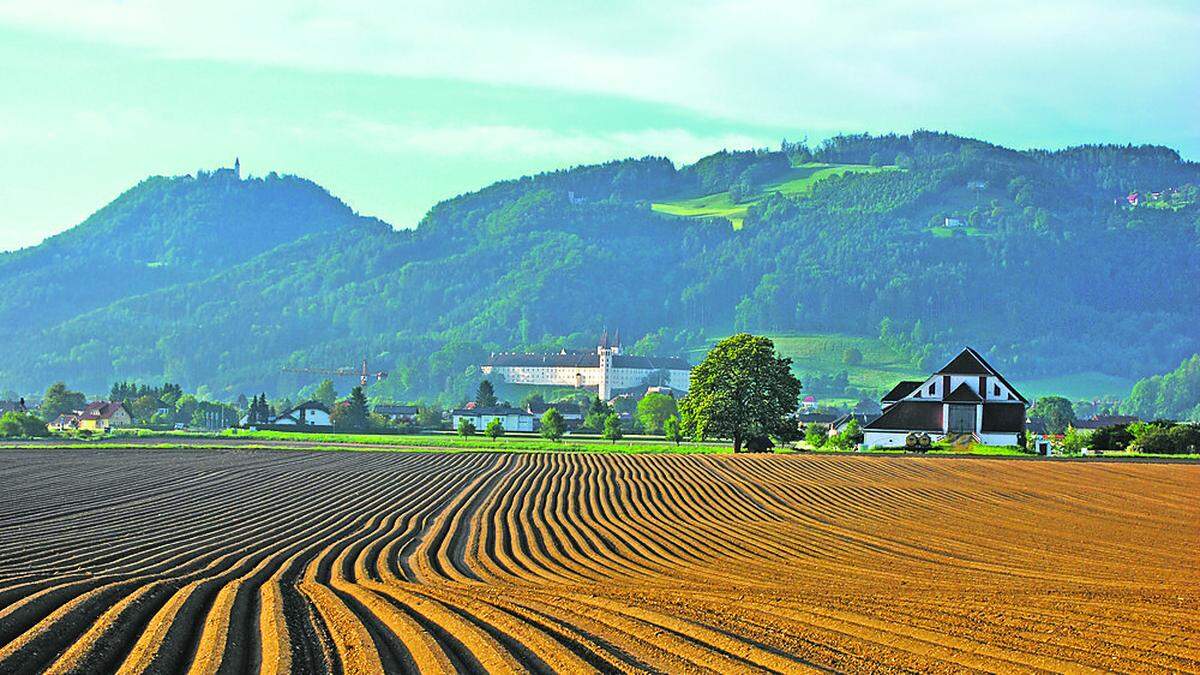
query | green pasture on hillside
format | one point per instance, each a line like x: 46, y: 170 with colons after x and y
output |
x: 798, y: 182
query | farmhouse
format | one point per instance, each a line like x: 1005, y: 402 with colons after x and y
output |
x: 102, y: 416
x: 510, y: 418
x: 606, y: 370
x: 966, y: 397
x: 307, y: 414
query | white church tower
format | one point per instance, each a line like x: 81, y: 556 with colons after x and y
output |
x: 606, y: 353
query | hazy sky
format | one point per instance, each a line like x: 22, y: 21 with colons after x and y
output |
x: 393, y: 108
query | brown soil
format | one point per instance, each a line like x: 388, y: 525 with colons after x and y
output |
x: 226, y: 561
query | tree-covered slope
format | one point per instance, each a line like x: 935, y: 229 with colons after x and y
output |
x: 1052, y: 270
x: 161, y: 232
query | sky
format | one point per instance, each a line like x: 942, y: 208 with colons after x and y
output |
x: 393, y: 107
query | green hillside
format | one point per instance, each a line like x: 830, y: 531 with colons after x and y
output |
x: 797, y: 182
x: 218, y: 282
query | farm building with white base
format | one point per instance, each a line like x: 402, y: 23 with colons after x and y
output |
x: 967, y: 397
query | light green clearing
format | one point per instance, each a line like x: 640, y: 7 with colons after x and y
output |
x: 798, y: 182
x: 880, y: 370
x: 946, y: 232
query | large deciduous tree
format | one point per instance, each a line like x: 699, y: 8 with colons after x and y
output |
x: 743, y: 388
x: 59, y: 399
x: 655, y: 409
x: 553, y: 425
x: 1055, y: 411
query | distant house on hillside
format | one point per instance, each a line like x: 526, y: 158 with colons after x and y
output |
x: 398, y: 413
x: 102, y: 416
x: 511, y: 419
x: 839, y: 425
x: 966, y: 397
x: 955, y: 221
x: 307, y: 414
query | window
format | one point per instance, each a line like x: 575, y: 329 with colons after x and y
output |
x: 995, y: 390
x: 931, y: 386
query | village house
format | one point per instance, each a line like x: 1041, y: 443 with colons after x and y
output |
x: 307, y: 414
x: 571, y: 412
x: 967, y: 397
x: 511, y: 419
x: 406, y: 414
x: 102, y: 416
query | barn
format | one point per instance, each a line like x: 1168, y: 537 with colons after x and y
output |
x: 966, y: 397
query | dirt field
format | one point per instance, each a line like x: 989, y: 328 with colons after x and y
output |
x: 353, y: 562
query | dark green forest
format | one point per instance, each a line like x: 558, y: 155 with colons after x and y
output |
x: 218, y: 283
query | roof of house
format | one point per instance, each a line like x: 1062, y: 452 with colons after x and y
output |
x: 863, y: 419
x: 393, y: 409
x: 970, y: 362
x: 902, y: 389
x: 498, y: 410
x: 815, y: 417
x: 101, y: 410
x: 307, y: 405
x: 562, y: 407
x: 1003, y: 417
x: 962, y: 394
x: 909, y: 415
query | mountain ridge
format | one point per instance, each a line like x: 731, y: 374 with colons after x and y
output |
x: 546, y: 261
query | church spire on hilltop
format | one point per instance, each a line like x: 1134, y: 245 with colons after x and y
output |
x: 237, y: 168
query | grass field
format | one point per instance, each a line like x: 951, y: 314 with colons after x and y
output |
x: 798, y: 182
x: 202, y: 561
x: 881, y: 367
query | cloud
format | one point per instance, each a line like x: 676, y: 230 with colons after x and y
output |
x: 817, y: 65
x: 494, y: 142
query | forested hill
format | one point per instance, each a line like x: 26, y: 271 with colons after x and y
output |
x: 1045, y: 261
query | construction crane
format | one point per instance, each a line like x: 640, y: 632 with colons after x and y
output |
x: 363, y: 374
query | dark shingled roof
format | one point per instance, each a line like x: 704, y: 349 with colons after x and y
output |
x: 904, y: 388
x: 1003, y: 417
x: 497, y: 410
x: 394, y: 409
x: 650, y: 362
x: 968, y: 362
x: 962, y: 394
x: 909, y: 415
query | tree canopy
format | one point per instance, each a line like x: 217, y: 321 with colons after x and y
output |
x: 743, y: 388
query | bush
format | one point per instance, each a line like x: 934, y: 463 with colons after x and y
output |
x: 1113, y: 437
x: 852, y: 356
x: 816, y: 434
x: 22, y: 425
x: 1166, y: 438
x: 466, y: 427
x: 495, y: 428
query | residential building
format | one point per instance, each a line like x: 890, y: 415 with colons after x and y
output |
x: 102, y: 416
x: 398, y: 413
x: 571, y: 412
x: 307, y: 414
x: 1098, y: 421
x: 511, y: 419
x: 965, y: 397
x: 606, y: 370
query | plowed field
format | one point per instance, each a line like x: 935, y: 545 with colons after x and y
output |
x: 206, y: 561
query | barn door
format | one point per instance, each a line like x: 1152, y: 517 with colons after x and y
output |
x: 962, y: 419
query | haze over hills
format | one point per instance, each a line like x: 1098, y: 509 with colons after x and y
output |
x: 923, y: 243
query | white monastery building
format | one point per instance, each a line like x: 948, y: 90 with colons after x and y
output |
x: 966, y: 397
x: 606, y: 369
